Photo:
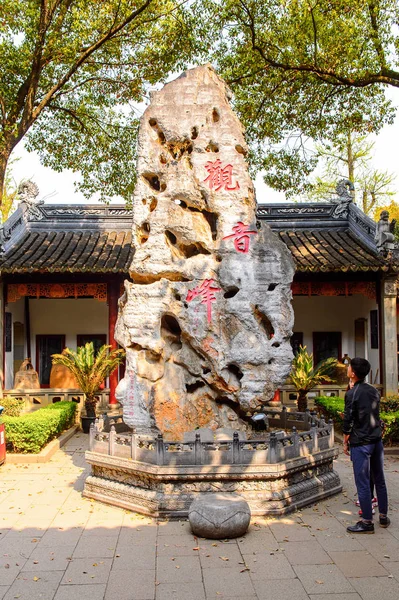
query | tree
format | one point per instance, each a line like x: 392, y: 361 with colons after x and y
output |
x: 72, y: 71
x: 349, y: 156
x: 307, y: 70
x: 90, y: 369
x: 305, y: 376
x: 10, y: 193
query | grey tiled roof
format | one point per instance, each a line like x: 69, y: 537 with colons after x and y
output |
x: 70, y: 251
x: 322, y: 250
x: 97, y: 238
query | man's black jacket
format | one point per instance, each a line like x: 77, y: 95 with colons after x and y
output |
x: 362, y: 414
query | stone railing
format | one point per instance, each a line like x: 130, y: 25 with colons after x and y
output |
x: 309, y: 434
x: 288, y: 392
x: 35, y: 399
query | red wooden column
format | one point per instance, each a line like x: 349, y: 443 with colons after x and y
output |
x: 113, y: 296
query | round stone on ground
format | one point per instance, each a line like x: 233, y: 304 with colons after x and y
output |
x: 219, y: 516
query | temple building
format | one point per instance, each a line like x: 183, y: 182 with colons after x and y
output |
x: 62, y: 269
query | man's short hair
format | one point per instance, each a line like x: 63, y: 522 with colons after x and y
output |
x: 361, y: 367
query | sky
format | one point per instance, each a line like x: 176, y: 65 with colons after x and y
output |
x: 57, y: 188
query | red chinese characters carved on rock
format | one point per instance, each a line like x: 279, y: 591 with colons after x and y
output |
x: 241, y: 237
x: 220, y: 177
x: 206, y: 291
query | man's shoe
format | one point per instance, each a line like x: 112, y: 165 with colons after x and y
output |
x: 385, y: 521
x: 361, y: 527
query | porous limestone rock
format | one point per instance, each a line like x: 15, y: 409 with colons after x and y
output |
x: 219, y: 516
x: 207, y: 321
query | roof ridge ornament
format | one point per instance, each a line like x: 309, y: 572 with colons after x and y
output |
x: 345, y: 192
x: 27, y: 193
x: 384, y: 234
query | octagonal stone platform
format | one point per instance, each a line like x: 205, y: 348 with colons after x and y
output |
x: 275, y: 474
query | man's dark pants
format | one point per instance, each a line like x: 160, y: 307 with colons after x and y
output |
x: 366, y: 459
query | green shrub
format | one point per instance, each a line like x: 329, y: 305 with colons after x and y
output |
x: 67, y: 411
x: 12, y: 406
x: 333, y: 408
x: 29, y: 433
x: 390, y: 403
x: 391, y: 430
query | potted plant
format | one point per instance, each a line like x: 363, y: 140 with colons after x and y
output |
x: 90, y: 370
x: 305, y: 377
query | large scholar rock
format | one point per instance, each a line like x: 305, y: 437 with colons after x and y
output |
x: 207, y: 322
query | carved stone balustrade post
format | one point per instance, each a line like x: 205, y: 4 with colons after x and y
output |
x: 111, y: 441
x: 272, y: 458
x: 236, y: 449
x: 315, y: 439
x: 295, y: 441
x: 197, y: 450
x: 160, y: 450
x: 331, y: 424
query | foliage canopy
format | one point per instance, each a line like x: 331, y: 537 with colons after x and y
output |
x: 307, y: 70
x: 72, y: 71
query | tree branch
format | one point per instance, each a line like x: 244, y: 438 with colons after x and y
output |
x: 314, y: 35
x: 31, y: 115
x: 387, y: 76
x: 375, y: 34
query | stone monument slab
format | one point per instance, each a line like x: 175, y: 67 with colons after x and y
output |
x: 207, y: 321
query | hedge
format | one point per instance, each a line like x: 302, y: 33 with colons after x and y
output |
x: 30, y: 432
x: 12, y: 406
x: 333, y: 407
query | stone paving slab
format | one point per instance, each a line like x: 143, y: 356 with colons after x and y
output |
x: 57, y: 545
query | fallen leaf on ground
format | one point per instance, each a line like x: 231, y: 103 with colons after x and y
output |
x: 223, y: 557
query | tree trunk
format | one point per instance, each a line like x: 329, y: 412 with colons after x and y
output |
x: 302, y: 401
x: 4, y: 158
x: 351, y: 161
x: 90, y: 406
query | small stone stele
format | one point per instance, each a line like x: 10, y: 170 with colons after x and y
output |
x: 219, y: 516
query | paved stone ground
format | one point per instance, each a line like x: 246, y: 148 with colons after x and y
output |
x: 54, y: 544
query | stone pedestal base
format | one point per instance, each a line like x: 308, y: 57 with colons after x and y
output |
x: 168, y: 491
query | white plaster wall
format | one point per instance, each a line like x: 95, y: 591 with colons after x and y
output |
x: 335, y: 313
x: 17, y: 311
x: 82, y: 316
x: 69, y: 317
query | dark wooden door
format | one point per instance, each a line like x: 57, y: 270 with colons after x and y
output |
x: 46, y: 345
x: 326, y: 344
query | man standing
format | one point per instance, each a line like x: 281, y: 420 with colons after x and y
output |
x: 362, y: 434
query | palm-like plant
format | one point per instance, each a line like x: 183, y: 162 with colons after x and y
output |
x: 90, y: 369
x: 305, y: 377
